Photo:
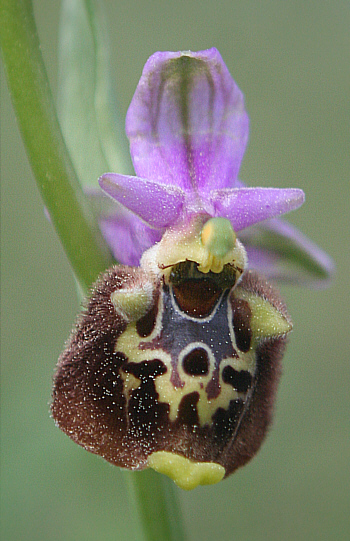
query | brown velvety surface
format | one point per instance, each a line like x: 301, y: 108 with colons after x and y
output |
x: 90, y: 407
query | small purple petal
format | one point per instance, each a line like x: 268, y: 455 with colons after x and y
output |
x: 283, y: 253
x: 288, y: 231
x: 157, y: 204
x: 128, y: 240
x: 247, y: 206
x: 125, y: 233
x: 187, y: 124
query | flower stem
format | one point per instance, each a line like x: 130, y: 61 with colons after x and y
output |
x: 63, y: 197
x: 154, y: 498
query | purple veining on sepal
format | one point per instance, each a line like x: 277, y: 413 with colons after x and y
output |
x: 187, y: 124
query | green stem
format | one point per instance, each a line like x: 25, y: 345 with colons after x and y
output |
x: 50, y: 161
x: 154, y: 498
x: 151, y: 494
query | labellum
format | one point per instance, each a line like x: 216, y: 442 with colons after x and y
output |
x: 175, y: 360
x: 175, y: 366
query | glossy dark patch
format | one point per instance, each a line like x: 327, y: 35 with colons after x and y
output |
x: 188, y: 270
x: 146, y: 324
x: 197, y: 298
x: 241, y: 316
x: 146, y: 415
x: 240, y: 380
x: 196, y: 362
x: 188, y: 409
x: 225, y: 421
x: 146, y: 369
x: 178, y: 332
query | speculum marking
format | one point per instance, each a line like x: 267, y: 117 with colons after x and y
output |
x: 178, y: 363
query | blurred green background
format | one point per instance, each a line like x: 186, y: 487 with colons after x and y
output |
x: 292, y: 61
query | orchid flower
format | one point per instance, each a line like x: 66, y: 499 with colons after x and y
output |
x: 174, y: 364
x: 199, y: 409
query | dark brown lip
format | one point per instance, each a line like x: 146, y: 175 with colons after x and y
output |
x: 188, y: 271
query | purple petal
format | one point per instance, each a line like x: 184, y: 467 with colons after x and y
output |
x: 128, y: 240
x: 288, y: 231
x: 187, y: 124
x: 125, y: 233
x: 157, y: 204
x: 247, y: 206
x: 283, y: 253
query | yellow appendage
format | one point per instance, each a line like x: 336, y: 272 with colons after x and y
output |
x: 210, y: 243
x: 266, y: 321
x: 133, y: 303
x: 186, y: 473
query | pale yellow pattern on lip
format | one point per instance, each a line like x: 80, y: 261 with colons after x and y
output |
x: 206, y: 408
x: 130, y: 383
x: 128, y: 343
x: 186, y: 473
